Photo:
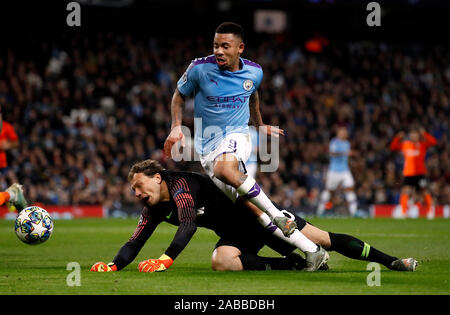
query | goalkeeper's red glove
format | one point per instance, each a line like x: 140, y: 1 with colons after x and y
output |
x: 102, y: 267
x: 156, y: 265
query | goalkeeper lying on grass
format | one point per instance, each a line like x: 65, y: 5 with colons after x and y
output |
x: 191, y: 200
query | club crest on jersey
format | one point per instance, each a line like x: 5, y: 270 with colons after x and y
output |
x: 248, y: 84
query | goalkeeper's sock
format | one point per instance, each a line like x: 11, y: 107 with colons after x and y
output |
x: 352, y: 247
x: 296, y: 239
x: 255, y: 262
x: 4, y: 197
x: 251, y: 191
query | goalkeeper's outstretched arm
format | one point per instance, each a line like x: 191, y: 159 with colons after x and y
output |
x: 187, y: 215
x: 128, y: 252
x: 131, y: 249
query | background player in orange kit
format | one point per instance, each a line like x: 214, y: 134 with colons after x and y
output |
x: 414, y: 151
x: 8, y: 140
x: 13, y: 196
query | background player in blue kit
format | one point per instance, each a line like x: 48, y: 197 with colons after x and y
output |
x: 224, y: 87
x: 339, y: 172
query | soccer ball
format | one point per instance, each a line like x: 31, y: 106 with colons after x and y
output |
x: 33, y: 225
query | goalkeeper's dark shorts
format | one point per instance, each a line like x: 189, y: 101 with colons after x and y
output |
x: 252, y: 238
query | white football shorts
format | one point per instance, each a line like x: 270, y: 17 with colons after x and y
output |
x: 237, y: 144
x: 334, y: 179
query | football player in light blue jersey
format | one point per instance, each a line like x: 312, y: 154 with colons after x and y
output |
x: 221, y: 99
x: 224, y: 87
x: 339, y: 151
x: 339, y: 172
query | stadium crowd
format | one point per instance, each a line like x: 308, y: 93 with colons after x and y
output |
x: 87, y: 107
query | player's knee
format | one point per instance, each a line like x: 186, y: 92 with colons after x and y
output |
x: 220, y: 171
x: 224, y: 260
x: 220, y: 265
x: 227, y: 172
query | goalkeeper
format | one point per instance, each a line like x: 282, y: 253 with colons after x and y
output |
x: 191, y: 200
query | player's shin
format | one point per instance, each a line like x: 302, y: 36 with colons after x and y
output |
x: 352, y: 247
x: 251, y: 191
x: 296, y: 239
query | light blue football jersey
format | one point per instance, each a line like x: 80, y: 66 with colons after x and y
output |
x: 339, y: 163
x: 221, y: 99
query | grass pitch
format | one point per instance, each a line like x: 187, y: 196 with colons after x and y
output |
x: 42, y: 269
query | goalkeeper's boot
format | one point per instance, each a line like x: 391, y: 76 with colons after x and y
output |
x: 315, y: 260
x: 324, y: 267
x: 406, y: 264
x: 285, y: 223
x: 298, y: 261
x: 18, y: 202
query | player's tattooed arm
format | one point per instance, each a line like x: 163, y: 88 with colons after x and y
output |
x: 176, y: 133
x: 255, y: 113
x: 255, y: 116
x: 176, y: 108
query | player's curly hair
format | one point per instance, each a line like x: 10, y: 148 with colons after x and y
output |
x: 231, y: 28
x: 147, y: 167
